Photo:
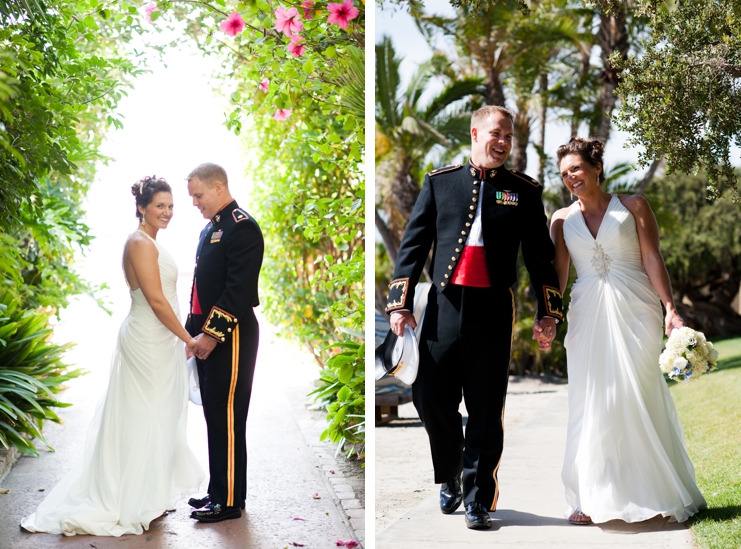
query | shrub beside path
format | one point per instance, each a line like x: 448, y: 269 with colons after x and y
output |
x: 284, y: 471
x: 531, y: 505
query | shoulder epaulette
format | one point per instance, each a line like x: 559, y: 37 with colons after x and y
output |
x: 444, y: 170
x: 526, y: 177
x: 239, y: 215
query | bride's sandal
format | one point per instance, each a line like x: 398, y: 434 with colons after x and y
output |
x: 580, y: 519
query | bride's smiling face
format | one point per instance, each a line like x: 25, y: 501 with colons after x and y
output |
x: 578, y: 175
x: 159, y: 211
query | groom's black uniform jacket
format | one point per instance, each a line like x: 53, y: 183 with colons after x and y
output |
x: 466, y: 335
x: 442, y: 218
x: 227, y: 269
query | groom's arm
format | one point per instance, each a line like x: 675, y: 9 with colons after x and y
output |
x: 538, y: 252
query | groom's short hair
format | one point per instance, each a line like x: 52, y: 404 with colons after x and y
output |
x: 209, y: 173
x: 484, y: 112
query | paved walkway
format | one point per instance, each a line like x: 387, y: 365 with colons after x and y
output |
x: 531, y: 506
x: 286, y: 465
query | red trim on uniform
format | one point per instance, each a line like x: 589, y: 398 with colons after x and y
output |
x: 471, y: 269
x: 196, y: 305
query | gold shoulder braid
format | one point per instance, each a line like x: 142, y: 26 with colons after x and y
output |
x: 444, y: 170
x: 525, y: 177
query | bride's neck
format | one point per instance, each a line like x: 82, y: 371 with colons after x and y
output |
x: 148, y: 230
x: 596, y: 201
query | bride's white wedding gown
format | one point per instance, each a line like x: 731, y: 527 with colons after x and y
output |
x: 136, y: 463
x: 625, y: 453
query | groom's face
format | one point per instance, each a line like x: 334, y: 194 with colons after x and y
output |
x: 206, y: 198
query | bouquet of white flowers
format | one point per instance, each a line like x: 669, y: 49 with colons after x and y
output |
x: 687, y: 355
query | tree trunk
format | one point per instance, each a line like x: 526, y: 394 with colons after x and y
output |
x: 583, y: 75
x: 522, y: 138
x: 400, y: 199
x: 543, y: 115
x: 612, y: 37
x: 643, y: 185
x: 405, y: 190
x: 493, y: 90
x: 390, y: 240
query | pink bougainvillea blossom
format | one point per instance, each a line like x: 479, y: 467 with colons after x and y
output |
x: 264, y: 85
x: 341, y: 14
x: 350, y: 543
x: 282, y: 114
x: 308, y: 9
x: 233, y: 25
x: 288, y: 21
x: 149, y: 9
x: 296, y: 47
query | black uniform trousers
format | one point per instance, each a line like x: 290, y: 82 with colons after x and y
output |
x: 464, y: 351
x: 226, y: 385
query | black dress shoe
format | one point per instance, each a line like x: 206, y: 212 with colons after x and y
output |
x: 202, y: 502
x: 477, y: 517
x: 450, y: 496
x: 199, y: 502
x: 215, y: 512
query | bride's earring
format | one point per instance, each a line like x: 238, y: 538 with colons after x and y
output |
x: 144, y: 221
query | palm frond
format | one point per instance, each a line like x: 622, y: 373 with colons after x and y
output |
x: 387, y: 85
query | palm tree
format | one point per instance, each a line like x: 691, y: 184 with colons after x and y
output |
x: 407, y: 130
x: 508, y: 46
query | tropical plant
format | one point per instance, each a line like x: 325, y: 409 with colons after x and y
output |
x: 701, y: 246
x: 31, y: 372
x: 681, y: 97
x: 342, y: 395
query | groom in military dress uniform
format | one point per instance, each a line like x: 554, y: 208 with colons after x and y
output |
x: 222, y: 320
x: 475, y: 217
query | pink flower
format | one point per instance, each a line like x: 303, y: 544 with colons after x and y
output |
x: 308, y: 9
x: 341, y: 14
x: 349, y: 543
x: 282, y: 114
x: 233, y: 25
x: 149, y: 9
x: 264, y: 85
x: 296, y: 47
x: 287, y: 21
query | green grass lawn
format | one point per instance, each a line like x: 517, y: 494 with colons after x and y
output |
x: 710, y: 411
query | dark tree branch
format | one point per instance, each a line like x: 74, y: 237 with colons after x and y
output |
x: 643, y: 185
x: 389, y: 241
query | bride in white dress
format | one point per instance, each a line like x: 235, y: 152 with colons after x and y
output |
x: 136, y: 464
x: 625, y: 453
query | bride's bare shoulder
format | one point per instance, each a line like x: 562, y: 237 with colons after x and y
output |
x: 138, y: 244
x: 636, y: 204
x: 560, y: 215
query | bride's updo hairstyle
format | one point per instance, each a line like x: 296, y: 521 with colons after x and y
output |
x: 590, y: 150
x: 145, y: 189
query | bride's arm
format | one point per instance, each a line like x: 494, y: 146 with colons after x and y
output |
x: 142, y: 255
x: 561, y: 265
x: 562, y: 259
x: 648, y: 238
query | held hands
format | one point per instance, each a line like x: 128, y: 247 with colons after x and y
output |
x: 672, y: 320
x: 399, y: 319
x: 544, y: 331
x: 203, y: 346
x: 190, y: 347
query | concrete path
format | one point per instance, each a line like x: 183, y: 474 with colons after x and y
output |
x: 284, y: 471
x: 531, y: 506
